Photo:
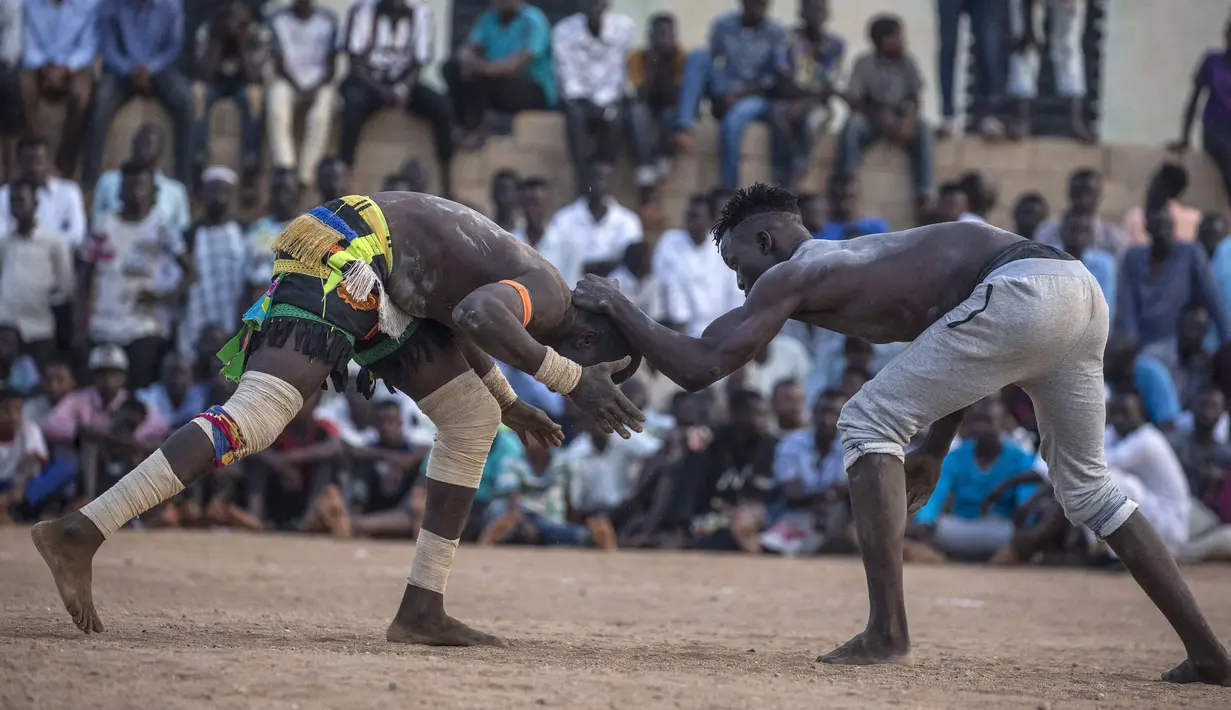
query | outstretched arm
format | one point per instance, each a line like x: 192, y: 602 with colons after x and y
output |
x: 725, y: 346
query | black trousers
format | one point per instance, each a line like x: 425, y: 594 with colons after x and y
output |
x: 1217, y: 142
x: 360, y: 101
x: 475, y: 97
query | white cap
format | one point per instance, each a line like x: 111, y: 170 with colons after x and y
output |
x: 108, y: 357
x: 219, y: 173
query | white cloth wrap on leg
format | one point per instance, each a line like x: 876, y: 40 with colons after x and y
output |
x: 466, y: 418
x: 262, y: 406
x: 147, y: 485
x: 433, y: 561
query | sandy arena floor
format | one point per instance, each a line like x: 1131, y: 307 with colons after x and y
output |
x: 218, y: 620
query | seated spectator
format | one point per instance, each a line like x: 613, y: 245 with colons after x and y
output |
x: 784, y: 358
x: 120, y: 298
x: 969, y: 474
x: 284, y: 194
x: 697, y: 286
x: 655, y: 75
x: 1212, y: 232
x: 59, y: 46
x: 835, y: 354
x: 1146, y: 469
x: 590, y: 234
x: 219, y: 248
x: 1166, y: 187
x: 1065, y: 27
x: 639, y: 283
x: 303, y: 47
x: 1158, y: 281
x: 55, y: 380
x: 60, y: 206
x: 810, y: 69
x: 1212, y: 76
x: 853, y: 379
x: 10, y: 93
x: 1029, y: 214
x: 506, y: 212
x: 171, y: 196
x: 231, y: 53
x: 177, y: 397
x: 1126, y: 369
x: 590, y: 51
x: 108, y: 453
x: 787, y: 403
x: 1077, y: 237
x: 23, y: 452
x: 390, y: 42
x: 380, y: 496
x: 36, y: 271
x: 1204, y: 455
x: 332, y: 179
x: 845, y: 220
x: 951, y: 203
x: 141, y: 40
x: 980, y: 197
x: 504, y: 66
x: 604, y: 469
x: 1194, y: 368
x: 532, y: 201
x: 883, y: 93
x: 18, y: 371
x: 1085, y: 196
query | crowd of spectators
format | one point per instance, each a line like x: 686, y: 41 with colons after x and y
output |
x: 110, y: 316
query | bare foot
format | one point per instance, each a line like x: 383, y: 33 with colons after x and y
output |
x: 68, y: 546
x: 442, y: 631
x: 1218, y: 673
x: 863, y: 651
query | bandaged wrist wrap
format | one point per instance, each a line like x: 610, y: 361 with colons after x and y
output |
x: 433, y: 561
x: 466, y: 418
x: 500, y: 388
x: 147, y: 485
x: 560, y: 374
x: 252, y: 418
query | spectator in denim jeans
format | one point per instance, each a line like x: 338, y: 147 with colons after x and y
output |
x: 655, y: 74
x: 883, y: 93
x: 10, y: 60
x: 985, y: 26
x: 1066, y: 23
x: 810, y: 74
x: 141, y: 41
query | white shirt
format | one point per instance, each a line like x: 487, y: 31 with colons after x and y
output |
x: 604, y: 480
x: 788, y: 360
x: 36, y: 272
x: 698, y: 284
x: 305, y: 46
x: 27, y: 446
x: 1160, y: 487
x: 390, y: 49
x: 646, y: 294
x: 590, y: 67
x: 128, y: 258
x: 61, y: 209
x: 573, y: 238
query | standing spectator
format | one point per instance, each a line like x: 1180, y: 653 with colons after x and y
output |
x: 10, y: 60
x: 1066, y: 23
x: 505, y: 200
x: 787, y: 402
x: 985, y: 25
x: 1213, y: 75
x: 810, y: 76
x: 36, y: 271
x: 590, y: 51
x: 141, y: 41
x: 17, y: 369
x: 171, y: 196
x: 219, y: 249
x: 1166, y: 187
x: 303, y: 45
x: 504, y: 66
x: 22, y: 452
x: 697, y: 286
x: 176, y: 397
x: 332, y: 179
x: 389, y: 43
x: 883, y: 93
x: 284, y: 191
x: 1029, y: 214
x: 590, y: 234
x: 845, y: 221
x: 59, y: 46
x: 231, y: 54
x: 951, y: 202
x: 1077, y: 237
x: 980, y: 197
x: 1085, y: 196
x: 61, y: 208
x: 532, y: 200
x: 120, y: 298
x: 1158, y: 281
x: 655, y: 74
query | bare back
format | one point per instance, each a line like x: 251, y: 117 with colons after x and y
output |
x: 892, y: 286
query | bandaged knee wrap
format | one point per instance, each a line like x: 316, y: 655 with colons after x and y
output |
x: 252, y: 418
x: 147, y: 485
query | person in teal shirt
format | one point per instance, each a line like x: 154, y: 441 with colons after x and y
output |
x: 504, y: 67
x: 505, y: 448
x: 971, y: 474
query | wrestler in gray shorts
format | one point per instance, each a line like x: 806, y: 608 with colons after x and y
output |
x: 1038, y: 322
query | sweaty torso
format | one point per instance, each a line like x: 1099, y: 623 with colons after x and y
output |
x: 891, y: 287
x: 442, y: 251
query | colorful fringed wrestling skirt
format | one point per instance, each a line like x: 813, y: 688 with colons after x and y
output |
x: 328, y: 293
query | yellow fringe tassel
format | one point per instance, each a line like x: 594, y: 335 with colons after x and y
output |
x: 307, y: 239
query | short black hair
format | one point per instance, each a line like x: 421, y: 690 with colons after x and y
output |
x: 752, y: 201
x: 131, y: 169
x: 882, y: 27
x: 840, y: 180
x: 785, y: 382
x: 701, y: 198
x: 55, y: 361
x: 612, y: 345
x: 31, y: 140
x: 830, y: 393
x: 135, y: 406
x: 533, y: 182
x: 743, y: 399
x: 1170, y: 180
x: 636, y: 250
x: 661, y: 18
x: 505, y: 174
x: 392, y: 403
x: 1084, y: 173
x: 806, y: 198
x: 1031, y: 196
x: 950, y: 187
x: 278, y: 173
x: 8, y: 394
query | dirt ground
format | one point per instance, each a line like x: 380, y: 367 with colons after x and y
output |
x: 222, y: 620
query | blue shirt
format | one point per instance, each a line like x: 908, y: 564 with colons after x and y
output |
x: 59, y: 34
x: 170, y: 203
x: 195, y: 401
x: 147, y: 33
x: 533, y: 392
x: 837, y: 231
x: 529, y: 32
x: 1149, y: 307
x: 1153, y: 382
x: 797, y: 459
x: 963, y: 480
x: 745, y: 56
x: 1102, y: 264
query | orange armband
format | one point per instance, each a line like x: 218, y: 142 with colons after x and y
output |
x: 526, y: 308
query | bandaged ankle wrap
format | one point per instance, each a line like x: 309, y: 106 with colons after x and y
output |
x: 500, y: 388
x: 466, y: 418
x: 147, y: 485
x: 433, y: 561
x: 249, y: 422
x: 559, y: 373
